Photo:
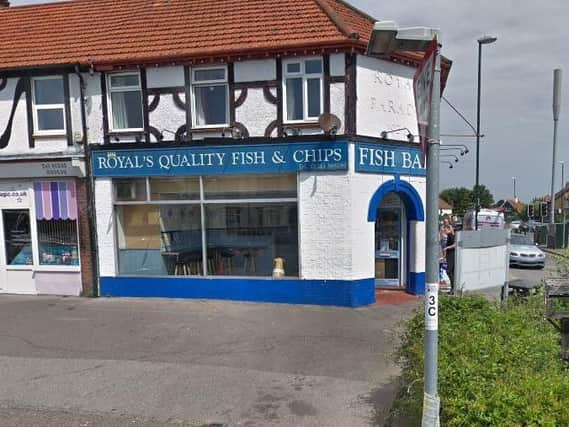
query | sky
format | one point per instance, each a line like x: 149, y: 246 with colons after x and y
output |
x: 517, y: 86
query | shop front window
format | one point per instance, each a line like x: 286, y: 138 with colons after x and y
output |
x: 56, y: 218
x: 210, y: 226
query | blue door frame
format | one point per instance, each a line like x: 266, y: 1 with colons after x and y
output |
x: 414, y: 212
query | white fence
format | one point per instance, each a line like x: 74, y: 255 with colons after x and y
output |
x: 482, y: 259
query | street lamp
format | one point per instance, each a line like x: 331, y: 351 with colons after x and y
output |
x: 481, y: 41
x: 385, y: 39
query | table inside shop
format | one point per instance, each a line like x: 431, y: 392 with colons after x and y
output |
x: 219, y: 260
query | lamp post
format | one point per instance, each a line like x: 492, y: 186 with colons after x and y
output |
x: 387, y: 38
x: 481, y: 41
x: 515, y: 197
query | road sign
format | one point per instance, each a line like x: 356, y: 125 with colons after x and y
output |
x: 423, y: 89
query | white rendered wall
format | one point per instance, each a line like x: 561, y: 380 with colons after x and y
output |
x: 256, y: 70
x: 19, y: 139
x: 337, y: 64
x: 385, y: 99
x: 165, y: 77
x: 337, y: 103
x: 167, y: 115
x: 94, y: 108
x: 337, y: 240
x: 255, y: 113
x: 105, y: 227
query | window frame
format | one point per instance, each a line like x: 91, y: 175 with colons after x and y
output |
x: 36, y: 107
x: 305, y: 77
x: 111, y: 90
x: 202, y: 202
x: 207, y: 83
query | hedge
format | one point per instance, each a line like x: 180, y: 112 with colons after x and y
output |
x: 497, y: 366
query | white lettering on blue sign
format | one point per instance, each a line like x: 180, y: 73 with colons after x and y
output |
x: 382, y: 158
x: 270, y: 158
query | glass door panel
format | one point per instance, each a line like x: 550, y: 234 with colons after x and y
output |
x: 387, y: 247
x: 18, y: 241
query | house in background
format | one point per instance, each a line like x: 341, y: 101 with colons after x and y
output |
x: 511, y: 208
x: 445, y: 208
x: 208, y: 150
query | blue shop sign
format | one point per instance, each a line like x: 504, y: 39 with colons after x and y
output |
x: 383, y: 158
x: 218, y: 160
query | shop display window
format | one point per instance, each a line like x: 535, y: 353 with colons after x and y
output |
x: 56, y: 219
x: 175, y: 232
x: 57, y: 242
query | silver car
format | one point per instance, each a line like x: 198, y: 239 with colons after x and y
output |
x: 524, y: 252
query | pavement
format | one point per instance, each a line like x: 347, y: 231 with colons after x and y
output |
x: 152, y: 362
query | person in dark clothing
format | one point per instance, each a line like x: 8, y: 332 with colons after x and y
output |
x: 448, y: 252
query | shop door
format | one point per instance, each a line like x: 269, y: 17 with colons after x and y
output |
x: 16, y: 254
x: 388, y: 247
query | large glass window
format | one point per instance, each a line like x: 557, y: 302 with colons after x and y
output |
x: 125, y: 101
x: 18, y: 237
x: 48, y: 105
x: 210, y: 94
x: 303, y: 89
x: 247, y: 223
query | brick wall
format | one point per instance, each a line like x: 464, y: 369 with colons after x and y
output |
x: 85, y: 248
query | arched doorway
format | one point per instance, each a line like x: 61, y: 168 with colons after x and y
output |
x: 397, y: 211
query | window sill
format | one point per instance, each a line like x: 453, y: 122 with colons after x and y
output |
x: 49, y: 135
x: 211, y: 128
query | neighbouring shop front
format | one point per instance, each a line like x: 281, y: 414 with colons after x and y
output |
x: 39, y: 228
x: 282, y: 222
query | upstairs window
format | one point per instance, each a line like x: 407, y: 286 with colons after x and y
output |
x: 303, y: 89
x: 125, y: 106
x: 210, y: 95
x: 48, y: 105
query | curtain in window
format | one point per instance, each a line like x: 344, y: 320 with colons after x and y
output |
x: 55, y: 200
x: 120, y: 114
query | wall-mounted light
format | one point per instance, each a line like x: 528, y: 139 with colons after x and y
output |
x: 410, y: 136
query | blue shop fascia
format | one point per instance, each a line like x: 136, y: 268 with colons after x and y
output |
x: 310, y: 220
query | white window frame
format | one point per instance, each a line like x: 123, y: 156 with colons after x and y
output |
x: 305, y: 77
x: 203, y: 83
x: 111, y: 90
x: 36, y: 107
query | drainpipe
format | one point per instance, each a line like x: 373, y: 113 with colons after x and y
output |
x: 90, y: 188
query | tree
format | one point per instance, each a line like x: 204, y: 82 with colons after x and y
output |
x: 462, y: 198
x: 486, y: 198
x: 459, y: 197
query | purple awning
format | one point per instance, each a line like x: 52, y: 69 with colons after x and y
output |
x: 55, y: 200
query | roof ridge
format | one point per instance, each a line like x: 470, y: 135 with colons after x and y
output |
x: 337, y: 20
x: 358, y: 11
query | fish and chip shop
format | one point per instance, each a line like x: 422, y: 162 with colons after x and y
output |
x: 317, y: 221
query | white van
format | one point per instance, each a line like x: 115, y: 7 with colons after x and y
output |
x: 487, y: 218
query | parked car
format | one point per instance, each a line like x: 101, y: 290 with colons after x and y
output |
x: 524, y: 252
x: 514, y: 225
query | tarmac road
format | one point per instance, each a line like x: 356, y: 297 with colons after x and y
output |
x: 150, y: 362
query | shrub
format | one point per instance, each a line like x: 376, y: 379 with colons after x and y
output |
x: 497, y: 366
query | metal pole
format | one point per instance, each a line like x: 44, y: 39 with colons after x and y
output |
x: 564, y: 244
x: 556, y: 108
x: 431, y: 401
x: 476, y: 195
x: 515, y: 198
x: 552, y: 206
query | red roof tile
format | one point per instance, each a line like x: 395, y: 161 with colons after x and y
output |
x: 124, y: 32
